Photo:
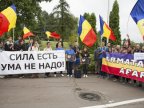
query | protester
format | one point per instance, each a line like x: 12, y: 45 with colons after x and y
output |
x: 34, y: 47
x: 70, y: 59
x: 2, y: 46
x: 59, y: 47
x: 21, y: 46
x: 85, y: 61
x: 59, y: 41
x: 30, y: 43
x: 126, y: 50
x: 109, y: 47
x: 9, y: 45
x: 18, y: 41
x: 142, y: 49
x: 102, y: 53
x: 77, y: 52
x: 48, y: 48
x: 97, y: 61
x: 1, y: 49
x: 137, y: 50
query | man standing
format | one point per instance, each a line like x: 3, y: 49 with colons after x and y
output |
x: 70, y: 59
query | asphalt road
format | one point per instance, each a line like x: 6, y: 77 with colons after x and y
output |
x: 63, y: 92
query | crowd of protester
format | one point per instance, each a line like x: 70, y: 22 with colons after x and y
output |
x: 76, y: 57
x: 73, y: 54
x: 126, y: 48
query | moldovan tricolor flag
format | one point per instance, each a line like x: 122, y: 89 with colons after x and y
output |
x: 27, y: 33
x: 8, y: 19
x: 137, y: 14
x: 52, y: 34
x: 86, y: 32
x: 106, y: 31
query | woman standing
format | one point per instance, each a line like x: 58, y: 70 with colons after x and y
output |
x: 70, y: 59
x: 34, y: 47
x: 48, y: 48
x: 59, y: 47
x: 85, y: 61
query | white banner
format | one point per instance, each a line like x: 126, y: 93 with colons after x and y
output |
x: 138, y: 56
x: 19, y: 62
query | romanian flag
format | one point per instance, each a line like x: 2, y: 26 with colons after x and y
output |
x: 52, y: 34
x: 27, y: 33
x: 137, y: 14
x: 8, y: 19
x: 106, y: 31
x: 86, y: 32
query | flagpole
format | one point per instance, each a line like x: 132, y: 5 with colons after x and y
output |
x: 13, y: 34
x: 127, y: 23
x: 108, y: 16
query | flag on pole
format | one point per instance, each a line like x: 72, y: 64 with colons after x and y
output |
x: 52, y: 35
x: 27, y: 33
x: 86, y: 32
x: 8, y: 19
x: 137, y: 14
x: 106, y: 31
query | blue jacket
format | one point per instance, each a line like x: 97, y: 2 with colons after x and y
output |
x: 102, y: 52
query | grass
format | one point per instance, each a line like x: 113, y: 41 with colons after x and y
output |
x: 53, y: 44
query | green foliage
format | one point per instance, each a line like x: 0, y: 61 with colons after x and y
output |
x: 28, y: 12
x: 91, y: 18
x: 66, y: 22
x: 114, y: 22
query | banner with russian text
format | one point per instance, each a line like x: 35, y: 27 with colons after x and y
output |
x: 21, y: 62
x: 124, y: 65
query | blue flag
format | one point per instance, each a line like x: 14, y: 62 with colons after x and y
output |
x: 137, y: 14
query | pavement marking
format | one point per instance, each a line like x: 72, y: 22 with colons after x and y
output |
x: 116, y: 104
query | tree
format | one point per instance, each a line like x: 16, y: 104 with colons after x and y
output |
x: 114, y: 22
x: 66, y: 22
x: 28, y: 12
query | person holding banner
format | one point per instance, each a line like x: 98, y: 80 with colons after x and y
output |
x: 18, y: 41
x: 48, y: 48
x: 30, y: 43
x: 21, y: 46
x: 137, y: 50
x: 59, y: 41
x: 34, y: 47
x: 9, y: 46
x: 102, y: 53
x: 59, y: 47
x: 1, y: 46
x: 70, y: 59
x: 142, y: 49
x: 85, y: 61
x: 77, y: 54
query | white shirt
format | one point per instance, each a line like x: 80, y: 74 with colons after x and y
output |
x: 48, y: 49
x: 33, y: 48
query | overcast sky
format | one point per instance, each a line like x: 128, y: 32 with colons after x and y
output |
x: 79, y: 7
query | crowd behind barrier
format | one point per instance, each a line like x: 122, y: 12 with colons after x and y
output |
x: 76, y: 57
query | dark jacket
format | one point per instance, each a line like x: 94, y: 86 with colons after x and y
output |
x: 85, y: 57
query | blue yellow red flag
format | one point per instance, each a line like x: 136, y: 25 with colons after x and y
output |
x: 8, y: 19
x: 137, y: 14
x: 27, y: 33
x: 86, y: 32
x: 52, y: 35
x: 106, y: 31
